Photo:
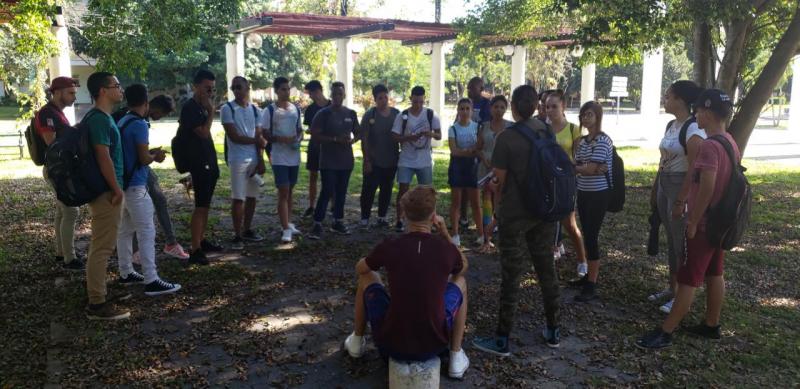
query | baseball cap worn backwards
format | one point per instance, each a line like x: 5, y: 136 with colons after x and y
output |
x: 62, y: 83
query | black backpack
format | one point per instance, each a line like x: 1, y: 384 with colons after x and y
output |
x: 72, y: 168
x: 549, y: 190
x: 728, y: 219
x: 429, y: 113
x: 36, y: 145
x: 616, y: 182
x: 682, y: 134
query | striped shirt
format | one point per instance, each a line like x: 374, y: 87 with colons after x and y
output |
x: 597, y: 150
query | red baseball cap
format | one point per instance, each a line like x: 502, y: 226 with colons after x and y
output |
x: 62, y: 82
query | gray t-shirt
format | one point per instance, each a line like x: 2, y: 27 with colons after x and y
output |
x: 339, y: 122
x: 286, y: 122
x: 383, y: 150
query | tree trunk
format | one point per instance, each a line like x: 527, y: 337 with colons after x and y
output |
x: 736, y: 35
x: 742, y: 125
x: 703, y: 58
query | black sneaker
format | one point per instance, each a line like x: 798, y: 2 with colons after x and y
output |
x: 74, y: 265
x: 399, y: 226
x: 59, y: 259
x: 308, y: 213
x: 159, y: 287
x: 207, y: 246
x: 251, y: 236
x: 339, y: 227
x: 106, y: 311
x: 552, y: 337
x: 237, y: 243
x: 198, y: 257
x: 705, y: 331
x: 316, y: 231
x: 133, y: 278
x: 654, y: 339
x: 381, y: 224
x: 588, y: 293
x: 578, y: 282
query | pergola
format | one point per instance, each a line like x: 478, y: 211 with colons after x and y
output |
x: 343, y: 29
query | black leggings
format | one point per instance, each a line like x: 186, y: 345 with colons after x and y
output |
x: 591, y: 210
x: 380, y: 177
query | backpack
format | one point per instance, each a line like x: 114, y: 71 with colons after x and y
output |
x: 405, y: 119
x: 128, y: 173
x: 271, y: 109
x: 36, y: 145
x: 549, y: 190
x: 233, y: 113
x: 617, y: 184
x: 728, y: 219
x: 181, y: 154
x: 682, y: 134
x: 72, y: 167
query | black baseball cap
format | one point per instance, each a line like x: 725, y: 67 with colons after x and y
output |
x: 715, y: 100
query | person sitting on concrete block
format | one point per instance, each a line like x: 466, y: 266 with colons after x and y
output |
x: 428, y: 305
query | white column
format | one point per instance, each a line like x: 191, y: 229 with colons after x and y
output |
x: 587, y: 82
x: 60, y: 64
x: 794, y: 103
x: 344, y: 68
x: 518, y: 60
x: 436, y: 96
x: 652, y: 71
x: 234, y: 60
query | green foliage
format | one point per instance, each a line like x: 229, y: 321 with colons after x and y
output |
x: 396, y: 66
x: 297, y: 58
x: 124, y: 34
x: 26, y: 44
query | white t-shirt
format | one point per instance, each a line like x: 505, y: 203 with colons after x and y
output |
x: 285, y: 123
x: 416, y: 154
x: 673, y: 159
x: 245, y: 121
x: 464, y: 136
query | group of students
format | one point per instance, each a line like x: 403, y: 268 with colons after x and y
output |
x: 424, y: 310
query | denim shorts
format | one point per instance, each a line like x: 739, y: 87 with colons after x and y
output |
x: 285, y: 175
x: 424, y: 175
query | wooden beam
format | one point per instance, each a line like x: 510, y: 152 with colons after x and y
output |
x: 430, y: 39
x: 249, y: 24
x: 355, y: 32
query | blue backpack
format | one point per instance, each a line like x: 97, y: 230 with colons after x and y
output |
x: 72, y: 167
x: 549, y: 190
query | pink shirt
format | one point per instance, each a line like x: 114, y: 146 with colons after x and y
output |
x: 712, y: 158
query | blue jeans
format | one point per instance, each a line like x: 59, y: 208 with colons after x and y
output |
x: 334, y: 182
x: 424, y: 175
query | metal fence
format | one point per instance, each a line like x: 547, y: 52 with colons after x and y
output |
x: 20, y: 142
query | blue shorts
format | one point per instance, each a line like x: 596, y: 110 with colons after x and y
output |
x: 376, y: 304
x: 424, y: 175
x: 285, y: 175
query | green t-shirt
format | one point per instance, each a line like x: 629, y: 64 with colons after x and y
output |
x: 103, y: 131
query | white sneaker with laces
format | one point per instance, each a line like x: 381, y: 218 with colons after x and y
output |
x: 294, y: 229
x: 286, y: 237
x: 458, y: 364
x: 355, y: 345
x: 583, y: 268
x: 667, y: 307
x: 660, y: 295
x: 456, y: 240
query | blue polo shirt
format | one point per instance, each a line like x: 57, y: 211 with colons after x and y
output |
x: 135, y: 131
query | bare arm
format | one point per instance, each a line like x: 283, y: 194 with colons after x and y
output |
x: 362, y: 267
x: 49, y: 137
x: 707, y: 181
x: 591, y: 169
x: 235, y: 137
x: 204, y: 130
x: 145, y: 157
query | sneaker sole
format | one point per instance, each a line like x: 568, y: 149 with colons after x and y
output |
x: 341, y: 232
x: 121, y: 316
x: 490, y: 351
x: 73, y: 269
x: 253, y: 239
x: 177, y: 256
x: 352, y: 355
x: 159, y: 293
x: 458, y: 376
x: 314, y: 237
x: 652, y: 348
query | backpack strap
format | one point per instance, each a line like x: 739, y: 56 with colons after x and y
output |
x: 405, y: 121
x: 430, y: 118
x: 128, y: 174
x: 271, y: 110
x: 721, y: 139
x: 682, y: 135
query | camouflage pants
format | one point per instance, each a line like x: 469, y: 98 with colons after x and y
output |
x: 522, y: 244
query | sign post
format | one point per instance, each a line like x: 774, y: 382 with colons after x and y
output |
x: 619, y: 89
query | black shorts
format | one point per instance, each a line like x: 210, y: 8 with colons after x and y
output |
x: 204, y: 181
x: 312, y: 156
x: 463, y: 172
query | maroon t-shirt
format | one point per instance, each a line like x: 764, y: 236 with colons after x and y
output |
x: 51, y: 119
x: 418, y: 265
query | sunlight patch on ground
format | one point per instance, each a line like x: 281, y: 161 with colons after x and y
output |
x: 284, y: 321
x: 781, y: 302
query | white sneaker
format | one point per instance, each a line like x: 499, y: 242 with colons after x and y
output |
x: 561, y: 250
x: 666, y: 293
x: 456, y: 240
x: 583, y: 268
x: 286, y: 237
x: 355, y: 345
x: 458, y: 364
x: 479, y: 241
x: 556, y: 254
x: 294, y: 229
x: 667, y: 307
